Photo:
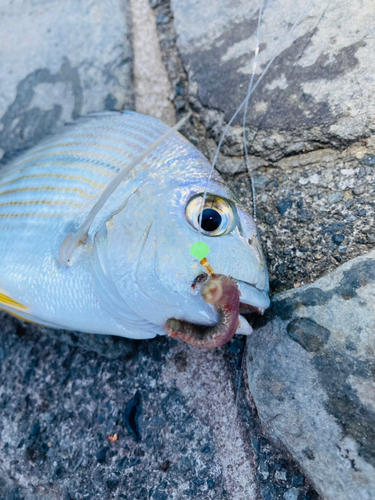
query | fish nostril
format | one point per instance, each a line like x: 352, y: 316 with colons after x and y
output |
x: 250, y: 241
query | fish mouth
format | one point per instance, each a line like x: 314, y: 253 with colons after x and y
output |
x: 224, y: 294
x: 252, y: 299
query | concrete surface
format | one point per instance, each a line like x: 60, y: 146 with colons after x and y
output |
x: 60, y: 60
x: 63, y: 394
x: 151, y: 83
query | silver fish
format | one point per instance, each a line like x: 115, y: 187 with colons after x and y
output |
x: 134, y: 272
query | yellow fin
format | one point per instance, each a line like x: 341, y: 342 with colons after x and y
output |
x: 20, y: 317
x: 7, y: 301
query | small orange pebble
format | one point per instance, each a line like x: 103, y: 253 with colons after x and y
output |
x: 297, y: 285
x: 113, y: 438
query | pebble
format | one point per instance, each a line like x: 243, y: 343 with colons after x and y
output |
x: 335, y: 197
x: 343, y: 249
x: 284, y: 205
x: 338, y: 238
x: 350, y: 203
x: 351, y: 218
x: 368, y: 160
x: 291, y: 494
x: 263, y: 470
x: 280, y: 475
x: 162, y: 18
x: 359, y: 189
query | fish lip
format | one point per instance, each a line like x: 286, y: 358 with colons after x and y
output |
x: 252, y: 298
x: 259, y: 305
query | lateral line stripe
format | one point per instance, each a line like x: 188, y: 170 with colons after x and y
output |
x: 49, y: 188
x: 31, y: 214
x: 40, y: 202
x: 55, y: 176
x: 69, y: 164
x: 96, y: 146
x: 83, y: 154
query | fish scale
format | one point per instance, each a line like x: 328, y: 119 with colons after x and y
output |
x: 81, y: 159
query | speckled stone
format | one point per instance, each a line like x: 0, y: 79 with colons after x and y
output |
x: 311, y: 373
x: 96, y: 417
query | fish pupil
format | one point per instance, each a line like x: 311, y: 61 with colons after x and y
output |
x: 211, y: 220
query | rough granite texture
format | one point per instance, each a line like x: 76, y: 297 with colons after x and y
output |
x: 60, y: 60
x: 311, y: 371
x: 63, y: 394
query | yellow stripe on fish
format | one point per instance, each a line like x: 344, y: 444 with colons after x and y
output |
x: 50, y: 188
x: 31, y: 214
x: 95, y: 145
x: 85, y: 155
x: 56, y: 176
x: 68, y: 164
x: 5, y: 300
x: 40, y: 202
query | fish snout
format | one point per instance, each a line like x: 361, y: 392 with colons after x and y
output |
x: 223, y: 293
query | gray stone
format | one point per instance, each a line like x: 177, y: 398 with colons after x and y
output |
x: 311, y: 373
x: 217, y: 41
x: 368, y: 160
x: 291, y: 494
x: 335, y: 197
x: 338, y: 239
x: 358, y: 190
x: 60, y: 60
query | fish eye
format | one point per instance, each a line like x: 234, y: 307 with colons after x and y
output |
x: 217, y: 216
x: 211, y: 220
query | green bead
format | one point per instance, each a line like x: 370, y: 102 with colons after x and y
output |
x: 199, y: 250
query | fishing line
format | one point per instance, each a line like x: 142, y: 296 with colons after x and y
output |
x: 244, y: 103
x: 251, y: 90
x: 248, y: 164
x: 73, y: 240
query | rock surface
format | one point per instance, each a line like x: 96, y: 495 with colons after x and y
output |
x: 60, y: 60
x: 311, y: 373
x: 60, y: 401
x: 319, y: 90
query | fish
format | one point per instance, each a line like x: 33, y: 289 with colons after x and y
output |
x: 133, y: 276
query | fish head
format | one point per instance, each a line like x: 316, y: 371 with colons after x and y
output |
x: 147, y: 252
x: 230, y: 233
